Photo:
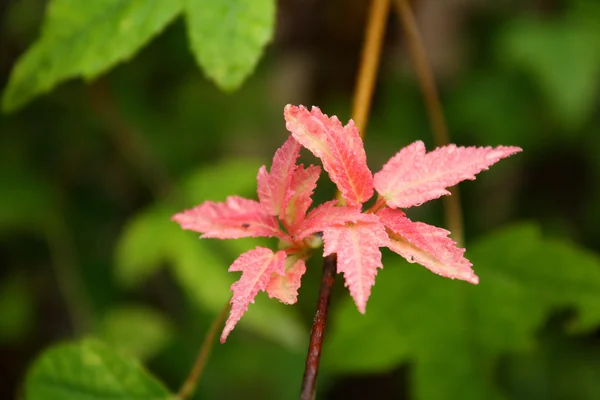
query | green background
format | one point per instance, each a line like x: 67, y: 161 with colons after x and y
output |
x: 121, y: 114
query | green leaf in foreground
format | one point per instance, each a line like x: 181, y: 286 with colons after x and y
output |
x: 90, y: 370
x: 228, y: 37
x: 454, y: 332
x: 84, y: 39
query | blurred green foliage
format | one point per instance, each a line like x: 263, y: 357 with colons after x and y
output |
x: 91, y: 173
x: 455, y: 332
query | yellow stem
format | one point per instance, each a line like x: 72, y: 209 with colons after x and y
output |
x: 418, y: 56
x: 189, y: 386
x: 369, y: 63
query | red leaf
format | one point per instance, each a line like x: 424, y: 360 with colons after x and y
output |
x: 235, y: 218
x: 274, y: 187
x: 302, y: 186
x: 308, y: 130
x: 412, y: 177
x: 427, y: 245
x: 326, y: 215
x: 257, y: 268
x: 358, y: 256
x: 285, y: 288
x: 339, y: 148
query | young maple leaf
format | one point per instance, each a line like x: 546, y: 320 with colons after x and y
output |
x: 408, y: 179
x: 358, y: 256
x: 257, y: 267
x: 339, y: 148
x: 284, y: 197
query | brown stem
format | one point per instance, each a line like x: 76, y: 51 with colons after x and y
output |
x: 191, y: 382
x: 318, y: 329
x: 363, y: 93
x: 420, y: 61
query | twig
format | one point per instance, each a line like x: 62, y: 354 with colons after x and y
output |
x: 418, y: 56
x: 369, y: 64
x: 363, y: 93
x: 191, y: 382
x: 318, y: 329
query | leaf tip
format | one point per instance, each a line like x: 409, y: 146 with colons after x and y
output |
x: 180, y: 218
x: 497, y: 153
x: 224, y: 335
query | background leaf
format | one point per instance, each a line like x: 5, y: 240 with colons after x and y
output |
x: 561, y: 55
x: 453, y: 332
x: 228, y: 37
x: 228, y: 177
x: 136, y: 330
x: 89, y: 369
x: 84, y: 40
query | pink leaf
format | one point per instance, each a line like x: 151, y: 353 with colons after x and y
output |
x: 412, y: 177
x: 358, y: 256
x: 339, y: 148
x: 235, y: 218
x: 308, y: 129
x: 428, y: 245
x: 326, y: 215
x: 257, y: 268
x: 350, y: 174
x: 274, y: 187
x: 302, y: 186
x: 285, y: 288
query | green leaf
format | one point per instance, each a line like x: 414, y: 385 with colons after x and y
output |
x: 85, y: 39
x: 152, y: 239
x: 143, y: 245
x: 562, y: 56
x: 136, y: 330
x: 228, y: 37
x: 455, y: 332
x: 90, y: 370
